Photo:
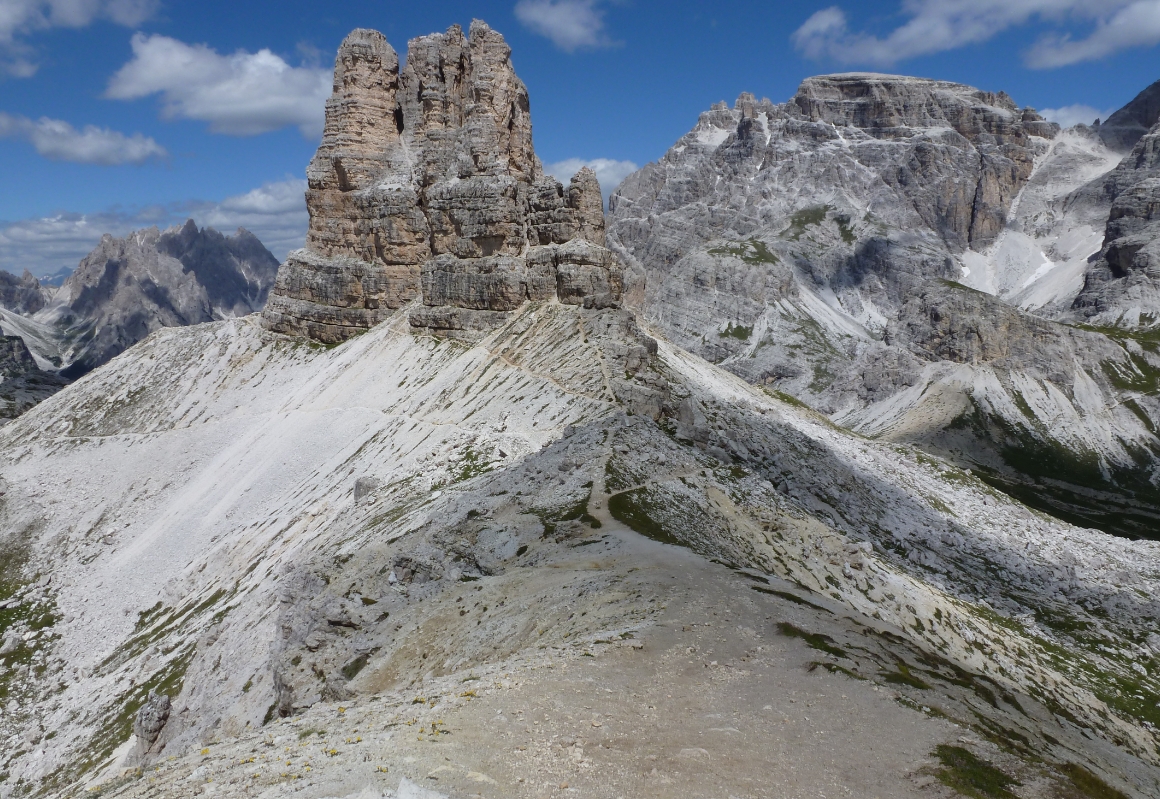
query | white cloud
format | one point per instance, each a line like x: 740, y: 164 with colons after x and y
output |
x: 938, y: 25
x: 610, y: 173
x: 18, y: 18
x: 1069, y: 115
x: 59, y: 141
x: 275, y: 213
x: 570, y: 24
x: 1137, y: 25
x: 242, y: 94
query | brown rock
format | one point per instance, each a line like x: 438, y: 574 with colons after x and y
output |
x: 426, y: 182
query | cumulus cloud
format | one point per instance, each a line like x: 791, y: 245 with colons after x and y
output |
x: 570, y: 24
x: 242, y: 94
x: 610, y: 173
x: 1077, y: 114
x: 59, y: 141
x: 18, y: 18
x: 274, y: 212
x: 938, y: 25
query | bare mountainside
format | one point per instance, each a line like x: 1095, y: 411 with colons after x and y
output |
x: 120, y: 293
x: 922, y: 262
x: 477, y: 529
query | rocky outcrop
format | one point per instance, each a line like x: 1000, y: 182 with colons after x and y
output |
x: 1124, y: 128
x: 1122, y: 286
x: 129, y: 287
x: 22, y: 382
x: 847, y: 247
x: 22, y: 295
x: 970, y: 151
x: 426, y: 182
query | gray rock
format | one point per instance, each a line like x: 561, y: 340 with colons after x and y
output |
x: 149, y: 722
x: 1124, y: 128
x: 364, y: 487
x: 129, y: 287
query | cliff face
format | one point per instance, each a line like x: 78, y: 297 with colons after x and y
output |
x: 1122, y: 287
x: 129, y: 287
x: 872, y: 248
x: 426, y: 182
x: 22, y: 295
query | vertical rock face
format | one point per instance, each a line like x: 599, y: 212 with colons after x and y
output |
x: 129, y: 287
x: 1125, y: 127
x: 426, y: 181
x: 962, y: 182
x: 22, y: 294
x: 1122, y: 287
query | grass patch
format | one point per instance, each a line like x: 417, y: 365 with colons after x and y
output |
x: 823, y: 643
x: 971, y: 775
x: 797, y: 600
x: 351, y: 670
x: 805, y: 218
x: 739, y: 332
x: 751, y: 251
x: 903, y: 676
x: 633, y: 509
x: 1089, y: 784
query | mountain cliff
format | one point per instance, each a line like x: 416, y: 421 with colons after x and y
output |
x: 129, y: 287
x: 453, y: 511
x: 892, y: 251
x: 426, y: 181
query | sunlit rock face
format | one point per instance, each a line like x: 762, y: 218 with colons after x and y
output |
x: 426, y: 179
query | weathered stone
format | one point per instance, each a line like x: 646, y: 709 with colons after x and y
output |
x: 149, y: 722
x: 426, y: 182
x: 587, y: 206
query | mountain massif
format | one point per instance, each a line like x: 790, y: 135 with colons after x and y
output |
x: 124, y: 290
x: 733, y: 497
x: 923, y: 262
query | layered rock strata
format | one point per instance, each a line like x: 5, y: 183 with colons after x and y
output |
x: 1122, y: 287
x: 426, y: 183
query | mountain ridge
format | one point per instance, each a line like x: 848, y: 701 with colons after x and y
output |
x: 466, y: 507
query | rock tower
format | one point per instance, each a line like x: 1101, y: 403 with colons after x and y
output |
x: 426, y: 184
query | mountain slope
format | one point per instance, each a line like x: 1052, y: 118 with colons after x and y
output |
x: 474, y: 523
x: 239, y: 453
x: 828, y: 247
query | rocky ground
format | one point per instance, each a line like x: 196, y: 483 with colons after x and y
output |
x: 703, y: 696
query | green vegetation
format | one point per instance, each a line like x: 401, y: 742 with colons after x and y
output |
x: 740, y: 333
x: 903, y: 676
x: 797, y: 600
x: 1067, y: 484
x: 351, y: 670
x: 751, y: 251
x: 634, y: 509
x: 804, y: 218
x: 471, y: 465
x: 818, y: 641
x: 844, y: 229
x: 1089, y: 784
x: 971, y: 775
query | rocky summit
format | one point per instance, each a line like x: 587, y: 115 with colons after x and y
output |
x: 426, y: 184
x: 796, y: 481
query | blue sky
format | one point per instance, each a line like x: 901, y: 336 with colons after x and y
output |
x: 116, y: 114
